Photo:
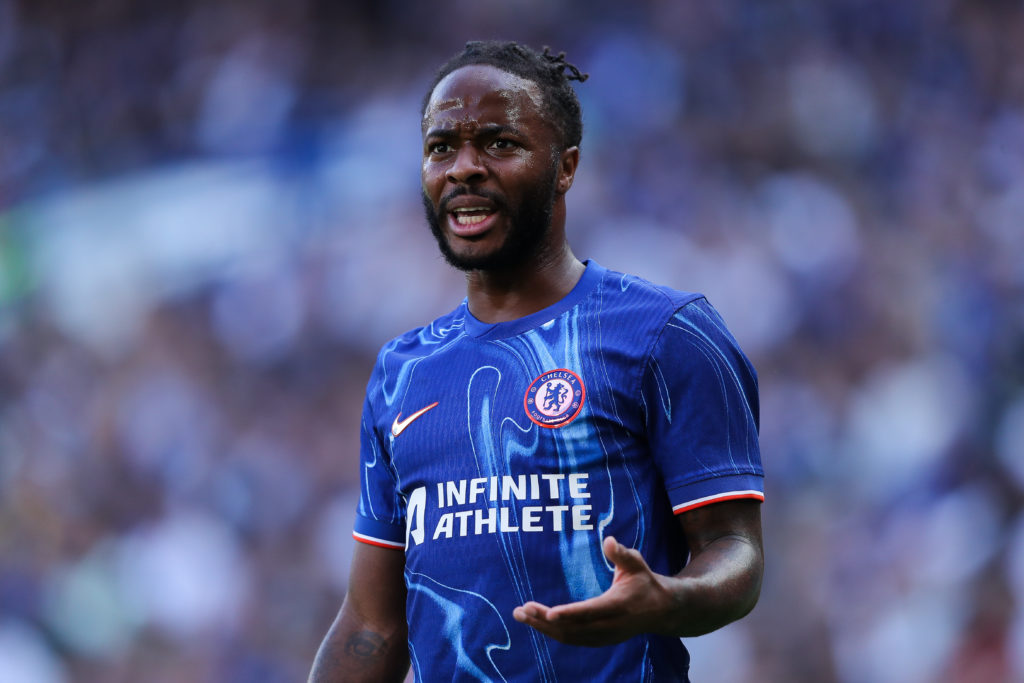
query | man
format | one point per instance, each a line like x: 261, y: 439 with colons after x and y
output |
x: 539, y: 464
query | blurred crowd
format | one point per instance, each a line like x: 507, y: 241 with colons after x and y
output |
x: 210, y: 221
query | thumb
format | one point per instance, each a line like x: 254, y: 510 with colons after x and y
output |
x: 625, y: 559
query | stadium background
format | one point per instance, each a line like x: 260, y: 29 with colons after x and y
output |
x: 209, y: 221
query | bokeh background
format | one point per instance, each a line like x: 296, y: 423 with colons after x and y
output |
x: 210, y: 221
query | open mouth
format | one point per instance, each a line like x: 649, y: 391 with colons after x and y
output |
x: 468, y: 221
x: 471, y: 215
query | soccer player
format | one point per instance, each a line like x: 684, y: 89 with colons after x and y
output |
x: 567, y: 459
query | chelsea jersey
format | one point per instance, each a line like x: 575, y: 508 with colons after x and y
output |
x: 497, y: 457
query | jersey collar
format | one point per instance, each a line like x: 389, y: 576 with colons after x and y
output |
x: 481, y: 330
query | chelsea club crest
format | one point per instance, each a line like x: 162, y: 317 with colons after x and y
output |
x: 555, y: 398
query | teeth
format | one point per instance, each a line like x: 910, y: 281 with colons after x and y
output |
x: 471, y: 215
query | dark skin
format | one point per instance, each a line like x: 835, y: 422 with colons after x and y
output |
x: 485, y: 131
x: 720, y: 584
x: 367, y: 641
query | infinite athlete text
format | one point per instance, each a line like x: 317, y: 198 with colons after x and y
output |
x: 558, y: 509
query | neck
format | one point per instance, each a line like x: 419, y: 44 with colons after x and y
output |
x: 508, y: 294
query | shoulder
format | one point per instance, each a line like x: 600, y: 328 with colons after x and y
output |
x: 672, y: 322
x: 696, y: 338
x: 421, y: 342
x: 702, y: 321
x: 636, y: 296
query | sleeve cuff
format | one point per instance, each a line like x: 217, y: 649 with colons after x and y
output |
x: 380, y: 534
x: 716, y: 490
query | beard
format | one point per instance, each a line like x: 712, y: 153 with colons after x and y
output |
x: 528, y: 226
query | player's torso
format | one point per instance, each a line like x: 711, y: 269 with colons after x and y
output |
x: 516, y: 440
x: 532, y: 433
x: 515, y: 457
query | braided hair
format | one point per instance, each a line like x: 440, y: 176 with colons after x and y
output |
x: 550, y: 72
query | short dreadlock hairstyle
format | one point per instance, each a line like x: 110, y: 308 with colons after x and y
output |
x: 548, y: 71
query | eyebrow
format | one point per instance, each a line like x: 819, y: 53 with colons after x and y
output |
x: 488, y: 130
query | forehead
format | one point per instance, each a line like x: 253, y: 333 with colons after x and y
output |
x: 475, y: 91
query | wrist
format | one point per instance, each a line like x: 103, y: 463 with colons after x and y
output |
x: 673, y: 605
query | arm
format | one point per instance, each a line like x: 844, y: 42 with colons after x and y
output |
x: 720, y: 584
x: 367, y: 641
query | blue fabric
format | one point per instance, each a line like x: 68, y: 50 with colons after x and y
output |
x: 593, y: 417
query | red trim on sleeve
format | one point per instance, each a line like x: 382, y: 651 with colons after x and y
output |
x: 719, y: 498
x: 390, y: 545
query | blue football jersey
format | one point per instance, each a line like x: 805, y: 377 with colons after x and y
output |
x: 497, y: 457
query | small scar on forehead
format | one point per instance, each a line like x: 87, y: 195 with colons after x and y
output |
x: 454, y: 103
x: 435, y: 108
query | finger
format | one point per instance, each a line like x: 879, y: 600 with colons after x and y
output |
x: 590, y: 634
x: 625, y: 559
x: 530, y: 611
x: 551, y: 630
x: 590, y: 610
x: 537, y: 620
x: 574, y: 634
x: 594, y: 622
x: 523, y: 616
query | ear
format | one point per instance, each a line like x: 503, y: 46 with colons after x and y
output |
x: 569, y: 160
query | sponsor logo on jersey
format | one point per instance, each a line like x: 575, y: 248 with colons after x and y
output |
x: 399, y: 425
x: 555, y: 398
x: 498, y: 505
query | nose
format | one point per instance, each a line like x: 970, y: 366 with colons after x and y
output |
x: 467, y: 166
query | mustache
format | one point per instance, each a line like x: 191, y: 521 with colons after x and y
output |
x: 494, y: 197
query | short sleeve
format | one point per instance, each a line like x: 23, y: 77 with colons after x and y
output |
x: 380, y: 519
x: 701, y: 409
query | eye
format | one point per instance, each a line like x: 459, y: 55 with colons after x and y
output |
x: 502, y: 143
x: 439, y: 148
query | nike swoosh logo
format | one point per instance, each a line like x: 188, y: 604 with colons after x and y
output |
x: 398, y: 426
